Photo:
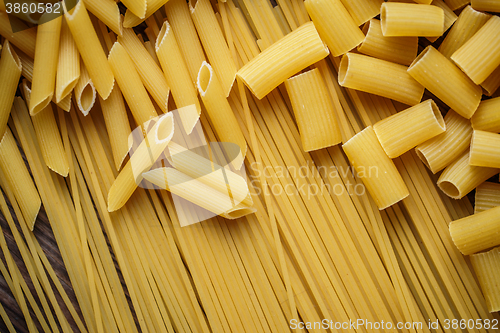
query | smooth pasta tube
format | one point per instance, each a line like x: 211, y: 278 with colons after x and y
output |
x: 10, y: 73
x: 375, y: 169
x: 294, y: 52
x: 485, y: 149
x: 487, y: 268
x: 379, y: 77
x: 480, y: 55
x: 486, y: 5
x: 476, y: 233
x: 438, y: 152
x: 406, y: 19
x: 401, y: 50
x: 334, y: 24
x: 445, y: 80
x: 487, y: 197
x: 487, y: 117
x: 406, y: 129
x: 459, y: 178
x: 314, y: 111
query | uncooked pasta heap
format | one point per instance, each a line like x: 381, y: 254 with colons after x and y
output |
x: 250, y: 165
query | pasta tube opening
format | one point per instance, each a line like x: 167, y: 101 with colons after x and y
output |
x: 450, y: 189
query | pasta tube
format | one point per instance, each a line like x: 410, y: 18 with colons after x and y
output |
x: 213, y: 42
x: 379, y: 77
x: 476, y: 233
x: 314, y: 111
x: 442, y: 78
x: 406, y: 129
x: 438, y: 152
x: 108, y: 12
x: 401, y: 50
x: 10, y: 73
x: 459, y: 178
x: 138, y: 7
x: 487, y: 117
x: 449, y: 17
x: 487, y: 197
x: 151, y: 74
x: 132, y: 19
x: 19, y: 179
x: 375, y: 169
x: 220, y: 113
x: 141, y: 160
x: 492, y: 82
x: 130, y: 84
x: 406, y: 19
x: 485, y: 149
x: 486, y: 5
x: 44, y: 70
x: 294, y: 52
x: 90, y: 48
x: 362, y: 10
x: 457, y: 4
x: 334, y: 25
x: 68, y: 65
x: 27, y: 64
x: 25, y: 40
x: 85, y: 94
x: 480, y: 55
x: 486, y: 266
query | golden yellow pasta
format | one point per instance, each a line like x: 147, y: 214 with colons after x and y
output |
x: 25, y: 40
x: 363, y: 10
x: 487, y: 197
x: 485, y: 149
x: 486, y: 5
x: 492, y: 82
x: 487, y: 265
x: 68, y: 65
x: 403, y: 19
x: 85, y: 94
x: 27, y: 64
x: 10, y: 72
x: 108, y: 12
x: 375, y: 169
x: 487, y: 117
x: 379, y: 77
x: 457, y: 4
x: 449, y: 16
x: 442, y: 78
x: 138, y: 7
x: 132, y: 19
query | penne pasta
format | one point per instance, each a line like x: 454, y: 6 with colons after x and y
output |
x: 177, y: 76
x: 487, y: 117
x: 10, y: 72
x: 24, y: 39
x: 150, y: 73
x: 486, y: 5
x: 485, y: 149
x: 335, y: 26
x: 362, y: 11
x: 375, y: 169
x: 406, y: 129
x: 220, y: 113
x: 132, y: 19
x: 442, y: 78
x: 438, y: 152
x: 459, y: 178
x: 379, y: 77
x: 27, y: 64
x: 65, y: 104
x: 314, y: 112
x: 213, y: 42
x: 449, y: 17
x: 106, y: 11
x: 476, y: 233
x: 486, y: 266
x: 492, y: 82
x: 18, y: 178
x: 90, y: 48
x: 401, y: 50
x: 45, y: 65
x: 266, y: 25
x: 85, y: 94
x: 480, y: 55
x: 404, y: 19
x: 487, y: 197
x: 283, y: 59
x: 130, y: 84
x: 138, y: 7
x: 68, y: 64
x: 468, y: 23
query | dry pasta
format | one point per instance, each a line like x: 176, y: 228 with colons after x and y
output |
x: 487, y: 197
x: 402, y: 19
x: 10, y: 72
x: 486, y: 265
x: 68, y: 64
x: 487, y: 117
x: 85, y: 94
x: 486, y: 5
x: 484, y: 149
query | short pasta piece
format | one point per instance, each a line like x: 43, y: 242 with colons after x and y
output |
x: 10, y: 73
x: 486, y: 5
x: 487, y: 197
x: 85, y: 94
x: 485, y: 149
x: 487, y: 117
x: 406, y: 19
x: 492, y: 82
x: 363, y: 10
x: 487, y: 265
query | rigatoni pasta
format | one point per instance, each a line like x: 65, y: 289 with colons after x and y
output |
x: 485, y: 149
x: 404, y: 19
x: 457, y: 4
x: 487, y: 197
x: 449, y: 16
x: 486, y: 5
x: 486, y: 266
x: 487, y: 117
x: 363, y: 10
x: 492, y: 82
x: 10, y: 72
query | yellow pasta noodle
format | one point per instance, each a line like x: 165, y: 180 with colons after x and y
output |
x: 44, y: 70
x: 401, y: 50
x: 10, y: 72
x: 138, y: 7
x: 314, y: 111
x: 459, y: 178
x: 457, y: 4
x: 476, y: 233
x: 213, y: 42
x: 108, y: 12
x: 406, y: 129
x: 85, y: 94
x: 403, y: 19
x: 487, y: 265
x: 485, y: 149
x: 487, y: 197
x: 487, y: 117
x: 90, y: 49
x: 25, y: 40
x: 375, y: 169
x: 283, y: 59
x: 438, y: 152
x: 442, y: 78
x: 150, y: 72
x: 379, y: 77
x: 68, y: 65
x: 486, y: 5
x: 334, y: 25
x: 27, y: 64
x: 449, y: 16
x: 492, y: 82
x: 132, y: 19
x: 65, y: 103
x: 480, y: 55
x: 19, y: 179
x: 363, y: 10
x: 130, y: 84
